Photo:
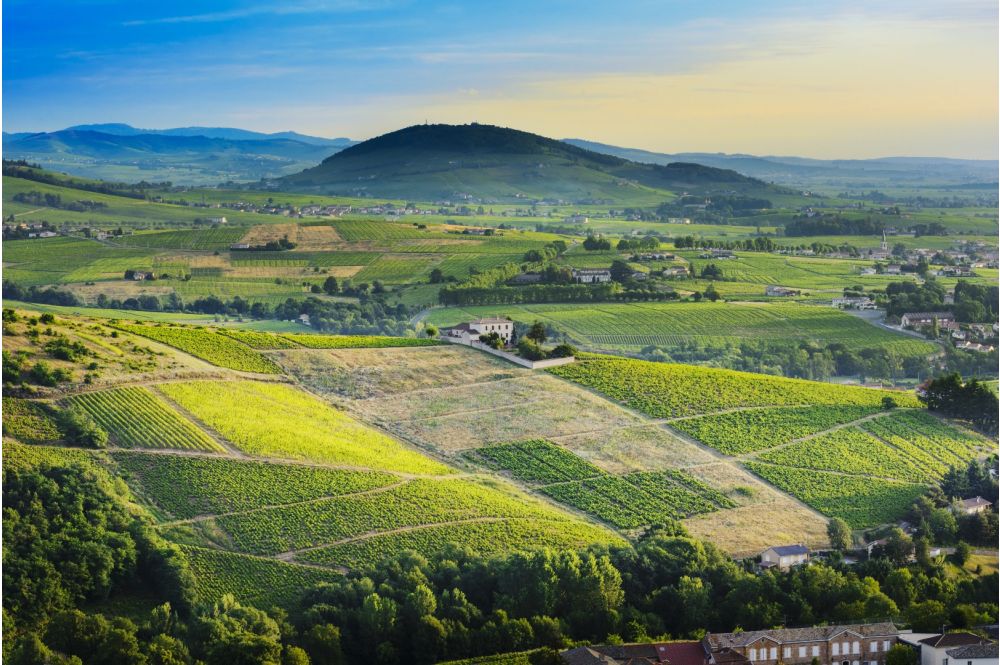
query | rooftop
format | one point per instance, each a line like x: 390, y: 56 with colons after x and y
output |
x: 973, y: 651
x: 789, y: 550
x: 490, y: 320
x: 975, y: 502
x: 952, y: 640
x: 810, y: 634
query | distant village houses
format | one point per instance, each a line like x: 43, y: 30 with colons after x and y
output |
x: 854, y: 303
x: 780, y: 291
x: 922, y: 319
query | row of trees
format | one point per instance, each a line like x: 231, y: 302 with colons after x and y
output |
x: 969, y: 400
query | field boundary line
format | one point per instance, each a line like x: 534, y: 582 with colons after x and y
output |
x: 197, y: 422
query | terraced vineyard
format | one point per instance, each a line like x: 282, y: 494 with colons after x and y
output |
x: 663, y: 390
x: 741, y: 432
x: 930, y: 442
x: 625, y: 501
x: 259, y: 340
x: 274, y: 420
x: 208, y: 345
x: 263, y: 583
x: 483, y: 537
x: 536, y: 461
x: 136, y: 418
x: 860, y: 500
x: 420, y: 502
x: 848, y: 450
x: 190, y: 486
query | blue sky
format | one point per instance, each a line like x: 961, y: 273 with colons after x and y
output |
x: 825, y: 79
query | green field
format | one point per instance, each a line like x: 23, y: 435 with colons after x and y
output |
x: 665, y: 390
x: 632, y: 326
x: 30, y: 422
x: 208, y: 345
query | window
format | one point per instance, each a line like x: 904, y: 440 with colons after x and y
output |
x: 856, y: 648
x: 885, y: 645
x: 774, y: 653
x: 802, y: 652
x: 874, y: 647
x: 836, y: 648
x: 846, y: 648
x: 815, y: 651
x: 787, y: 653
x: 753, y: 654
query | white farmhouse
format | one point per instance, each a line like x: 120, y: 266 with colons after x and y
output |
x: 470, y: 332
x: 934, y: 649
x: 591, y: 275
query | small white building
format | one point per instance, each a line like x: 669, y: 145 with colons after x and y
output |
x: 470, y: 332
x: 853, y: 303
x: 934, y: 650
x: 591, y: 275
x: 780, y: 291
x: 784, y: 557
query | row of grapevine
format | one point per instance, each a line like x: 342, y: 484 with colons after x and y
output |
x: 136, y: 418
x: 208, y: 345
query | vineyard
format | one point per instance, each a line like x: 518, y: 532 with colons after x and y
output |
x: 263, y: 583
x: 848, y: 450
x: 208, y: 345
x: 274, y: 420
x: 631, y: 326
x: 483, y: 537
x: 355, y: 341
x: 663, y: 390
x: 933, y: 443
x: 741, y: 432
x: 30, y: 422
x: 536, y: 461
x: 860, y: 500
x: 136, y: 418
x: 190, y: 486
x: 259, y: 340
x: 423, y: 502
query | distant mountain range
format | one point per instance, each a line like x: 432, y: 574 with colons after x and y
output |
x: 828, y: 175
x: 439, y: 163
x: 487, y: 163
x: 185, y: 155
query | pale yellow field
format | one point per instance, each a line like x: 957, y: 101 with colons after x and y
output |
x: 640, y: 448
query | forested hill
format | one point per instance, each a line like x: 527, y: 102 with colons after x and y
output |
x: 486, y: 162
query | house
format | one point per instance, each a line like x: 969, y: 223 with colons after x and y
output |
x: 973, y: 654
x: 975, y: 505
x: 893, y: 269
x: 525, y: 278
x: 675, y: 271
x: 851, y: 644
x: 920, y: 319
x: 784, y: 557
x: 138, y: 275
x: 576, y: 219
x: 974, y: 346
x: 470, y: 332
x: 665, y: 653
x: 304, y: 319
x: 240, y: 245
x: 853, y: 303
x: 934, y: 649
x: 639, y: 276
x: 217, y: 220
x: 591, y: 275
x: 772, y: 290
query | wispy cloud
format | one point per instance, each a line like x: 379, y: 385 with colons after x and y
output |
x: 277, y: 9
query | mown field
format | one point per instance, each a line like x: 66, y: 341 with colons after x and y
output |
x: 632, y: 326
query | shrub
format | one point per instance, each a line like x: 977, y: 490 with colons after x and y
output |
x: 563, y: 351
x: 80, y: 429
x: 530, y: 350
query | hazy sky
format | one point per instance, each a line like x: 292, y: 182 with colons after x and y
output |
x: 823, y: 79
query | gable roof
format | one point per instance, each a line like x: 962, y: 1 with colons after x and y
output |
x: 952, y: 640
x: 787, y: 635
x: 491, y: 319
x: 788, y: 550
x: 975, y: 502
x: 674, y: 653
x: 973, y: 651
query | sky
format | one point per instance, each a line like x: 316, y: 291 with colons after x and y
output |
x: 830, y: 79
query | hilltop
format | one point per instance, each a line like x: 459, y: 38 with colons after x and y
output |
x: 489, y: 163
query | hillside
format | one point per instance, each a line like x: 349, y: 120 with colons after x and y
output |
x: 826, y: 175
x: 488, y: 163
x: 179, y: 158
